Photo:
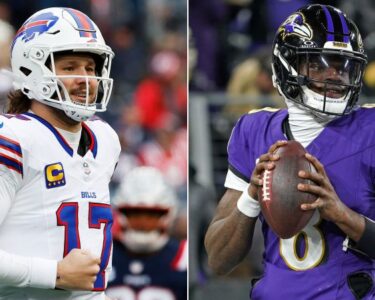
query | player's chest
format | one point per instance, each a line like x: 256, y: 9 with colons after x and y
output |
x: 54, y: 176
x: 57, y: 164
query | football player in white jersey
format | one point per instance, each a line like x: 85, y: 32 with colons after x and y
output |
x: 56, y: 161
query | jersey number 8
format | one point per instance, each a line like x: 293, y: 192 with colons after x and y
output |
x: 314, y: 247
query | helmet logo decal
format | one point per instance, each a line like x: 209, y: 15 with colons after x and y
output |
x: 340, y: 44
x: 85, y: 26
x: 36, y: 26
x: 295, y: 25
x: 308, y: 44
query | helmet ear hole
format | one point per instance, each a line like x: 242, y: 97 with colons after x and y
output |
x: 25, y: 71
x: 291, y: 91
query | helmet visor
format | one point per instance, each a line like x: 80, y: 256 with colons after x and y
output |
x: 330, y: 74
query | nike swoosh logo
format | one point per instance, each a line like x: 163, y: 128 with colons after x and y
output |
x: 1, y: 124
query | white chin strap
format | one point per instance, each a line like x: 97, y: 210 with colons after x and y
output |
x: 78, y: 114
x: 144, y: 242
x: 332, y: 105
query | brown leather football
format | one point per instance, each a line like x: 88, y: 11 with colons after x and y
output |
x: 279, y: 198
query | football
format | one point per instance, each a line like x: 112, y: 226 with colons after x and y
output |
x: 279, y: 198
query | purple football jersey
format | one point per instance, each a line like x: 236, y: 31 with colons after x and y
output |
x: 313, y: 264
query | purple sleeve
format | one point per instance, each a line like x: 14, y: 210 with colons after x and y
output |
x: 239, y: 153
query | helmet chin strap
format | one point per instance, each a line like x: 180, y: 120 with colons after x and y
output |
x: 317, y: 101
x: 79, y: 115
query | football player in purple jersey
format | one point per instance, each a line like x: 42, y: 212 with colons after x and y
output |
x: 147, y: 262
x: 318, y: 64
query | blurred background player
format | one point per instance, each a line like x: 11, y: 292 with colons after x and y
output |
x: 318, y: 64
x: 55, y: 188
x: 147, y: 262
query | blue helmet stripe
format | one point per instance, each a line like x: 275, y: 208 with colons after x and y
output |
x: 345, y: 28
x: 85, y: 25
x: 330, y: 28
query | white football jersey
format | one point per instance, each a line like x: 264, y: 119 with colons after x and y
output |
x: 61, y: 198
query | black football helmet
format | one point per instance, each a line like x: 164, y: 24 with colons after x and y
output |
x: 318, y: 60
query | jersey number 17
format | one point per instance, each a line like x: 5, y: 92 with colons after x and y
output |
x: 67, y: 216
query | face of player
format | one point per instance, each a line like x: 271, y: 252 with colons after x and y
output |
x: 144, y: 230
x: 144, y: 219
x: 81, y: 65
x: 329, y: 75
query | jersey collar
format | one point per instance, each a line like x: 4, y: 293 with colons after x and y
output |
x: 93, y: 147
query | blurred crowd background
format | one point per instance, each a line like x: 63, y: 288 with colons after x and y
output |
x: 148, y: 107
x: 229, y: 74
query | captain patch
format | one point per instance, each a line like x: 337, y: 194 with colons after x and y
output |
x: 54, y: 174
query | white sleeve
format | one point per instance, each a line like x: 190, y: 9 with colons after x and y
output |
x: 232, y: 181
x: 19, y: 271
x: 7, y: 193
x: 16, y: 270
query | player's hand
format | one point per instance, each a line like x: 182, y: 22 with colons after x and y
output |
x: 77, y: 271
x: 266, y: 162
x: 330, y: 206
